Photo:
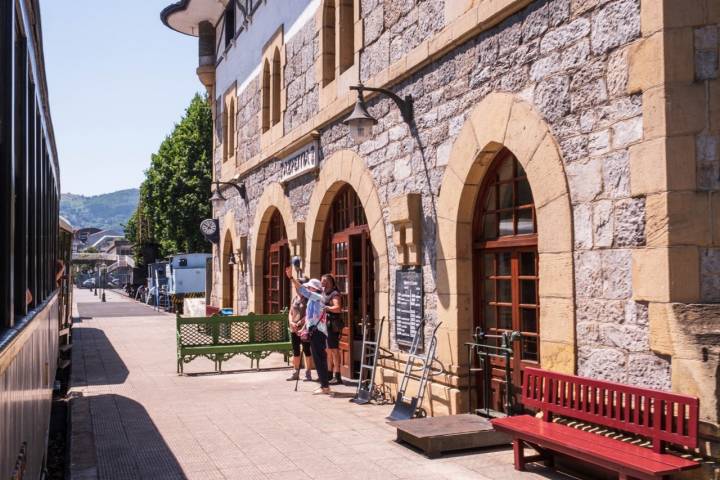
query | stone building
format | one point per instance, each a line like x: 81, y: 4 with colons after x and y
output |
x: 560, y: 175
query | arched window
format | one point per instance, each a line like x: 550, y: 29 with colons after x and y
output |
x: 231, y: 129
x: 275, y: 85
x: 276, y: 288
x: 266, y: 96
x: 506, y: 261
x: 225, y: 131
x: 346, y: 28
x: 328, y: 38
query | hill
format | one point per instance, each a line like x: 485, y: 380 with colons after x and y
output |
x: 109, y: 210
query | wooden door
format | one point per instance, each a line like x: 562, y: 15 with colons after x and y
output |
x: 277, y: 289
x: 510, y: 303
x: 506, y: 272
x: 340, y: 264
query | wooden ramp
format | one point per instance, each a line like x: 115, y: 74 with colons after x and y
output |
x: 436, y: 435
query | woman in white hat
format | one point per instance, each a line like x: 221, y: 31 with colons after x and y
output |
x: 315, y: 325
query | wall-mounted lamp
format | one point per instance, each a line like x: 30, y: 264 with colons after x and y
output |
x: 361, y: 122
x: 234, y: 258
x: 218, y: 197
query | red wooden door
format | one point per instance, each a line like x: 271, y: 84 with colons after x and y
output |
x: 506, y: 275
x: 341, y: 272
x: 276, y: 288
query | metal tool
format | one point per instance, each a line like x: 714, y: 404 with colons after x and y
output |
x: 485, y: 353
x: 367, y: 391
x: 406, y: 408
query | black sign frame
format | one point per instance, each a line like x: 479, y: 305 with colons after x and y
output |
x: 409, y: 304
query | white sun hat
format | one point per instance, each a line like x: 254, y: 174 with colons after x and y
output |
x: 313, y: 283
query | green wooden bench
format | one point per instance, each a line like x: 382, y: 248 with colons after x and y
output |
x: 219, y: 338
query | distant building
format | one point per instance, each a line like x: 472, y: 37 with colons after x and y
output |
x: 103, y: 239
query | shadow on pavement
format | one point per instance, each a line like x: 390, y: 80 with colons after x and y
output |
x: 120, y: 440
x: 95, y: 361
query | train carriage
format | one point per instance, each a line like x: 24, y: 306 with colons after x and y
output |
x: 35, y: 245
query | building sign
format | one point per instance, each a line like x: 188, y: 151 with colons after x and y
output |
x: 299, y: 163
x: 408, y: 304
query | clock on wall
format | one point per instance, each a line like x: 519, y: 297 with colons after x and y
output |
x: 209, y: 228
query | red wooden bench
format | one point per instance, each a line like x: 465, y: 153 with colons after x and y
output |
x: 658, y: 416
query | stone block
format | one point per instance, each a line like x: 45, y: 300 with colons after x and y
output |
x: 583, y: 225
x: 678, y: 56
x: 490, y: 119
x: 654, y: 110
x: 627, y: 132
x: 565, y: 35
x: 525, y: 131
x: 648, y: 371
x: 603, y: 223
x: 552, y: 97
x: 455, y: 311
x: 555, y: 226
x: 666, y: 274
x: 616, y: 175
x: 588, y: 274
x: 557, y: 357
x: 629, y: 223
x: 686, y: 109
x: 616, y: 274
x: 556, y: 270
x: 614, y: 24
x: 557, y: 320
x: 585, y: 179
x: 678, y: 218
x: 662, y: 164
x: 450, y: 345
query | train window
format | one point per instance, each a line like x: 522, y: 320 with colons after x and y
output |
x: 29, y: 196
x: 183, y: 262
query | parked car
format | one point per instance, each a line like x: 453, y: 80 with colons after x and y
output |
x: 89, y: 283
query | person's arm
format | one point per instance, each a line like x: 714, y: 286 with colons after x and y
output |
x: 335, y: 306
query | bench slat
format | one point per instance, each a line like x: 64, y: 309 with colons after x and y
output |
x: 579, y: 443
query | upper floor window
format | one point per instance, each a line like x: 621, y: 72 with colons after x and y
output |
x: 228, y: 122
x: 275, y: 92
x: 229, y: 23
x: 338, y: 38
x: 271, y: 86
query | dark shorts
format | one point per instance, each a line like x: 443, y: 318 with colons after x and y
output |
x: 296, y: 343
x: 333, y: 339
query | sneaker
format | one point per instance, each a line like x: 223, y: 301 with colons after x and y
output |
x: 322, y: 391
x: 335, y: 381
x: 294, y: 376
x: 308, y: 376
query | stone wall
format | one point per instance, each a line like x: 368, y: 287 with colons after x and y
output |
x: 248, y: 120
x: 568, y: 59
x: 299, y: 77
x: 707, y: 150
x: 394, y: 27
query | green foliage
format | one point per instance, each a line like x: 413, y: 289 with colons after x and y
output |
x: 174, y: 195
x: 107, y: 211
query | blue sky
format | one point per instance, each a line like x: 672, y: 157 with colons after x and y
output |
x: 118, y: 82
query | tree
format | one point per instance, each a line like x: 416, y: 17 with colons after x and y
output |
x: 174, y: 195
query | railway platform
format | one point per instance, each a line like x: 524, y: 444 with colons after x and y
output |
x: 133, y: 417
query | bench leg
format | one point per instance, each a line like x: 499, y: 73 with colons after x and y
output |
x: 519, y: 451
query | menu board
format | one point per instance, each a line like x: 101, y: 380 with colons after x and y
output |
x: 408, y: 304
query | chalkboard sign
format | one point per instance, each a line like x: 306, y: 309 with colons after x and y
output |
x: 408, y: 304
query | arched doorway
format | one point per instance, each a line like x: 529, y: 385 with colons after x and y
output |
x: 505, y: 268
x: 276, y: 286
x: 228, y: 273
x: 348, y: 256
